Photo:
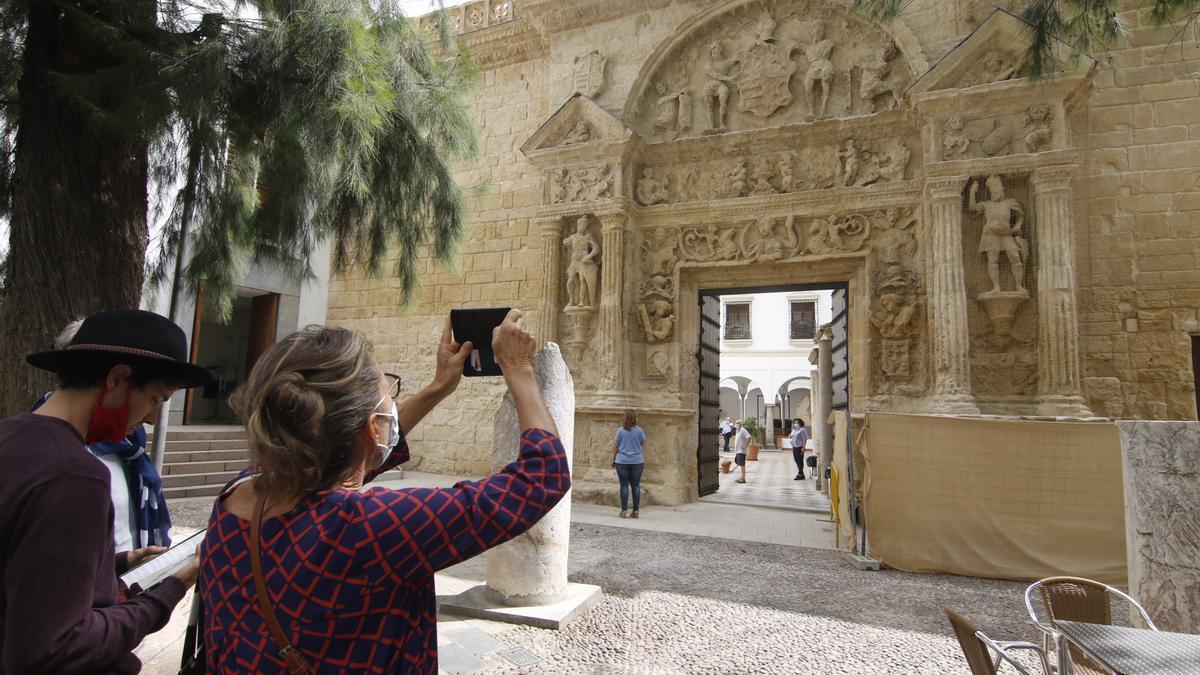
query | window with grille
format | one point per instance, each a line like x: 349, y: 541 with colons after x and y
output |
x: 803, y: 320
x: 737, y: 321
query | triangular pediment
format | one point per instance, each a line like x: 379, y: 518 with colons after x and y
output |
x: 578, y: 123
x: 994, y: 52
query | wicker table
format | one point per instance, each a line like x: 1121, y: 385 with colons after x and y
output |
x: 1133, y: 651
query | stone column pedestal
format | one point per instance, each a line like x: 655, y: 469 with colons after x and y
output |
x: 948, y: 299
x: 612, y: 283
x: 532, y: 569
x: 1060, y: 380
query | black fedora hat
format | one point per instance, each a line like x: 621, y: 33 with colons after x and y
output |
x: 128, y: 333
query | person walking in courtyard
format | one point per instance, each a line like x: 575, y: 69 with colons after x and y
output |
x: 740, y: 443
x: 629, y: 461
x: 346, y: 577
x: 799, y: 438
x: 60, y: 600
x: 726, y: 432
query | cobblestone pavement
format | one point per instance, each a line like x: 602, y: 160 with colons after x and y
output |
x: 769, y: 483
x: 682, y: 604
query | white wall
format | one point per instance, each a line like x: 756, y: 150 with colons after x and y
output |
x: 769, y: 358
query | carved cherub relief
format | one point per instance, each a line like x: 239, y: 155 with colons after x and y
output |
x: 658, y: 320
x: 893, y: 316
x: 651, y: 190
x: 1037, y: 127
x: 580, y: 133
x: 954, y: 141
x: 1004, y: 220
x: 839, y: 233
x: 659, y: 254
x: 996, y: 66
x: 766, y: 241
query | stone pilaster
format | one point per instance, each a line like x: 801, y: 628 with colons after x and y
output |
x: 1060, y: 380
x: 948, y: 299
x: 612, y: 284
x: 549, y: 310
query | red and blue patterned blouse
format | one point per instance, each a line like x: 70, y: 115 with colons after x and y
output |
x: 350, y: 573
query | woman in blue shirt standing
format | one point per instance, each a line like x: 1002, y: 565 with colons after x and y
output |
x: 629, y: 462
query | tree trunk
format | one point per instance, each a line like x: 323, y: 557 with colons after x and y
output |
x: 78, y: 230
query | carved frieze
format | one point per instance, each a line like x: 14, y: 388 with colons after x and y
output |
x: 850, y: 164
x: 581, y: 184
x: 769, y: 64
x: 1011, y: 133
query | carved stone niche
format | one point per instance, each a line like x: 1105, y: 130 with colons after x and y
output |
x: 579, y: 150
x: 767, y: 64
x: 978, y: 105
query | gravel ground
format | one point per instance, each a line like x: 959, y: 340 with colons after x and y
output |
x: 681, y: 604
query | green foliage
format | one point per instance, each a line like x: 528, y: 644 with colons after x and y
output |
x: 756, y: 430
x: 1086, y: 27
x: 277, y: 126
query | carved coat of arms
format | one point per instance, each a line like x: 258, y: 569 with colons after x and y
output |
x: 589, y: 73
x: 766, y: 74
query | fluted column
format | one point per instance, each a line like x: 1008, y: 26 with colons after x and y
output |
x: 612, y: 281
x: 549, y: 309
x: 1060, y: 381
x: 948, y: 299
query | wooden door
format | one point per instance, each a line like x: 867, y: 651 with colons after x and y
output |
x: 264, y: 314
x: 708, y: 453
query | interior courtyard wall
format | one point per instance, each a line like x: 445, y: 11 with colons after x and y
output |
x: 1134, y: 201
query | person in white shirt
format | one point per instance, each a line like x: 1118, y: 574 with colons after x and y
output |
x: 726, y: 432
x: 740, y: 443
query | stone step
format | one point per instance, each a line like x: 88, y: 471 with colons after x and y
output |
x: 207, y: 456
x: 191, y: 491
x: 175, y: 469
x: 217, y: 478
x: 202, y: 433
x: 175, y: 445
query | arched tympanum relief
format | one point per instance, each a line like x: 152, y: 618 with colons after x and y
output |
x: 766, y: 64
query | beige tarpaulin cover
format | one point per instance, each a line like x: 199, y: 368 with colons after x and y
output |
x: 1011, y: 499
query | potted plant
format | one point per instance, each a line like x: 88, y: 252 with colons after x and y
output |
x: 757, y: 438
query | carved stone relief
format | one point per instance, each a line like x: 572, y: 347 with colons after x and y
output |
x: 590, y: 77
x: 1037, y: 128
x: 851, y: 164
x: 583, y: 267
x: 996, y: 66
x: 954, y: 141
x: 580, y: 185
x: 656, y: 312
x: 658, y: 363
x: 1028, y: 131
x: 782, y: 63
x: 897, y: 302
x: 580, y: 133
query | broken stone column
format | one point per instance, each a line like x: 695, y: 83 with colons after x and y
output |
x: 1162, y: 520
x: 532, y: 569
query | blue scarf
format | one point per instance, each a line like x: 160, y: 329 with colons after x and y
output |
x: 145, y: 486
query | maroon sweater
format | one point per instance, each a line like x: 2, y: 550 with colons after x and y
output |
x: 59, y: 596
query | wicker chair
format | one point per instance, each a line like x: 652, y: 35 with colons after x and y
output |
x: 976, y: 645
x: 1074, y: 599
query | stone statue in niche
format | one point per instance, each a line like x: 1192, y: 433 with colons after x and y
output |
x: 875, y: 81
x: 1003, y: 223
x: 589, y: 73
x: 658, y: 320
x: 996, y: 66
x: 580, y: 133
x: 1037, y: 127
x: 763, y: 241
x: 673, y: 110
x: 954, y: 141
x: 997, y: 140
x: 848, y: 164
x: 716, y: 89
x: 583, y: 272
x: 651, y: 190
x: 820, y: 71
x: 767, y: 68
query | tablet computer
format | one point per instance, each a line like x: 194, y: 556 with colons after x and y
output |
x: 476, y: 326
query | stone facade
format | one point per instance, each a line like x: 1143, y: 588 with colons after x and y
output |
x: 1010, y: 246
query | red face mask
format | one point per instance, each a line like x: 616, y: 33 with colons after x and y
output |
x: 108, y: 425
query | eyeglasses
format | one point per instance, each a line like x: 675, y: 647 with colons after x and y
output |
x: 393, y: 389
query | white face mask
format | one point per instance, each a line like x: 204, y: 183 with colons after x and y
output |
x: 385, y: 451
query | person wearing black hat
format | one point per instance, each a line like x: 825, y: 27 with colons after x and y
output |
x: 59, y: 596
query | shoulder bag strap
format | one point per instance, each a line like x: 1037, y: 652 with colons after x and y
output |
x: 292, y: 658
